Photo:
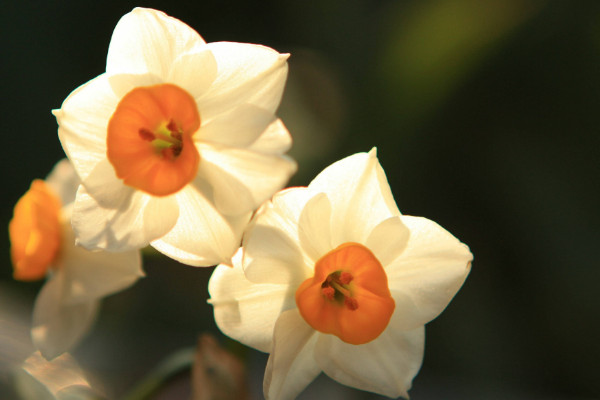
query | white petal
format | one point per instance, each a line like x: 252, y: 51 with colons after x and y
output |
x: 274, y: 140
x: 92, y: 275
x: 59, y: 379
x: 57, y: 327
x: 291, y: 366
x: 104, y: 186
x: 314, y: 227
x: 360, y: 196
x: 247, y: 311
x: 271, y: 243
x: 148, y: 41
x: 241, y: 179
x: 239, y: 127
x: 202, y: 236
x: 64, y: 181
x: 122, y: 84
x: 194, y: 71
x: 131, y: 222
x: 386, y: 365
x: 428, y: 274
x: 82, y: 121
x: 388, y: 239
x: 247, y: 73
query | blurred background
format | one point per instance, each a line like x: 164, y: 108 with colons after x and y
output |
x: 486, y: 119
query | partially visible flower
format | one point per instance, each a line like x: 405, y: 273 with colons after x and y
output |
x: 177, y: 143
x: 43, y: 245
x: 333, y: 278
x: 59, y: 379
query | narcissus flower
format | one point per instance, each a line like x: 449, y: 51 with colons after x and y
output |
x: 177, y: 143
x: 43, y: 245
x: 333, y: 278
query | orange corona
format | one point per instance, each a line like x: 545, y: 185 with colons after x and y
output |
x: 35, y: 232
x: 348, y: 296
x: 150, y: 139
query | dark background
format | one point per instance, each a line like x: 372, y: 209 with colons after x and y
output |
x: 485, y: 115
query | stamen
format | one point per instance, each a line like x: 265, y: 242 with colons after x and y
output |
x: 341, y: 289
x: 351, y: 303
x: 328, y: 292
x: 346, y: 278
x: 169, y: 153
x: 172, y: 126
x: 145, y: 134
x: 176, y: 135
x: 170, y: 138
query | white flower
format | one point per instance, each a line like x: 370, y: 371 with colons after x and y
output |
x: 177, y: 143
x: 42, y: 244
x: 335, y: 279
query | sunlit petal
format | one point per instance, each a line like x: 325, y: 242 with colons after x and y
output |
x: 314, y: 227
x: 202, y: 236
x: 291, y: 366
x: 274, y: 140
x: 248, y: 73
x: 358, y: 188
x: 58, y: 326
x: 428, y: 274
x: 243, y: 179
x: 147, y: 41
x: 82, y: 121
x: 243, y: 310
x: 272, y: 251
x: 64, y: 181
x: 385, y: 366
x: 90, y: 275
x: 134, y: 220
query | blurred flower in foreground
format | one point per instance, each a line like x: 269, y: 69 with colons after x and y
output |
x: 42, y: 244
x: 60, y: 379
x: 177, y: 143
x: 333, y: 278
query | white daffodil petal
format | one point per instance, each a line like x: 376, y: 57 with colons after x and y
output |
x: 241, y: 179
x: 386, y: 365
x: 314, y: 227
x: 202, y: 236
x: 245, y: 311
x: 82, y: 120
x: 57, y: 326
x: 195, y: 71
x: 360, y: 196
x: 272, y: 252
x: 147, y: 41
x: 92, y: 275
x: 239, y: 127
x: 122, y: 84
x: 291, y: 366
x: 58, y: 379
x: 276, y: 139
x: 247, y: 73
x: 131, y: 223
x: 388, y: 239
x: 104, y: 186
x: 64, y: 181
x: 428, y: 274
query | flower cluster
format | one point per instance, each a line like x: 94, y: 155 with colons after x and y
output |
x: 177, y: 146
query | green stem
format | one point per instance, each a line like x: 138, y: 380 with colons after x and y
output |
x: 169, y: 367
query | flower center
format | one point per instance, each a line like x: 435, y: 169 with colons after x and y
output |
x: 35, y: 232
x: 149, y: 139
x: 337, y: 288
x: 348, y: 296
